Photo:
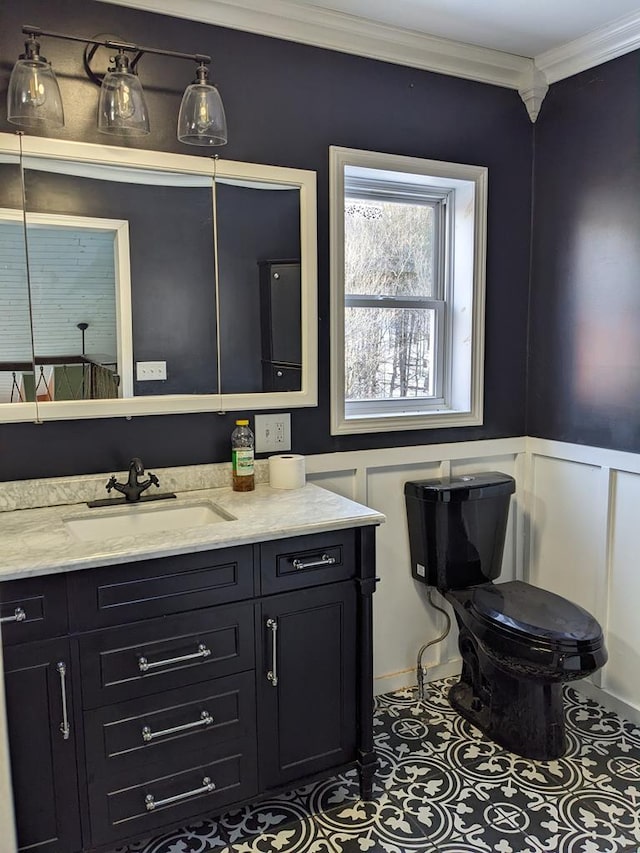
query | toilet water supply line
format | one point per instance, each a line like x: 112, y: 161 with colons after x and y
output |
x: 419, y: 671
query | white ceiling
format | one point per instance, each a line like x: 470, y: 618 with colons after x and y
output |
x: 524, y: 27
x: 521, y: 44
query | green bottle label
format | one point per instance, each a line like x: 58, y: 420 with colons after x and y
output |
x: 242, y: 461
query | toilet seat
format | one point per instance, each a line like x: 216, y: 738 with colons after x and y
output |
x: 522, y: 612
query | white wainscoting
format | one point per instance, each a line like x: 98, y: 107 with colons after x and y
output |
x: 583, y: 530
x: 574, y: 529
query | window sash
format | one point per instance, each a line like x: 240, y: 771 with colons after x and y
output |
x: 401, y: 404
x: 357, y: 189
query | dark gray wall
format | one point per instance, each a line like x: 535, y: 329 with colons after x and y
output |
x: 584, y: 363
x: 286, y: 103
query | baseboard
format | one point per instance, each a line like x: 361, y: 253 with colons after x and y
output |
x: 612, y: 703
x: 407, y: 677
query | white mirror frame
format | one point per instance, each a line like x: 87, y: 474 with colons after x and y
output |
x: 301, y: 179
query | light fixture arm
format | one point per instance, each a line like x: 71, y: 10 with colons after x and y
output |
x: 35, y: 33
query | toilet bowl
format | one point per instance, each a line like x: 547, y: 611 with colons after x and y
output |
x: 518, y: 643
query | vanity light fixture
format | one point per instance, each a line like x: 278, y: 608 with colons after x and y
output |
x: 33, y: 98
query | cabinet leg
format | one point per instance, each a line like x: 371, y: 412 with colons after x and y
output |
x: 367, y: 766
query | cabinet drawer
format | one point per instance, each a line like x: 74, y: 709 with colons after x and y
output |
x: 33, y: 609
x: 162, y: 654
x: 115, y: 595
x: 163, y: 726
x: 203, y: 785
x: 307, y: 561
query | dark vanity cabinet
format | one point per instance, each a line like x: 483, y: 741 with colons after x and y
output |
x: 192, y: 684
x: 280, y: 325
x: 40, y: 714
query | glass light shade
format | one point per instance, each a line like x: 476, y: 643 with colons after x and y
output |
x: 33, y: 97
x: 201, y: 120
x: 122, y: 109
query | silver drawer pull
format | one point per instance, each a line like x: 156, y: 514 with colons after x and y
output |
x: 64, y: 725
x: 272, y: 674
x: 18, y: 616
x: 207, y: 787
x: 325, y: 560
x: 145, y: 666
x: 205, y: 720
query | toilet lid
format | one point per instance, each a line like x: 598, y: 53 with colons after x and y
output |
x: 517, y: 608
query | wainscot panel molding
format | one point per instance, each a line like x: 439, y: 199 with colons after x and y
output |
x: 572, y: 529
x: 583, y: 542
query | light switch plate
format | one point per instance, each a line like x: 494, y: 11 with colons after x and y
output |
x: 151, y: 370
x: 273, y: 433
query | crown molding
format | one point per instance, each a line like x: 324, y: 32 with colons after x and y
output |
x: 349, y: 34
x: 616, y: 39
x: 533, y: 92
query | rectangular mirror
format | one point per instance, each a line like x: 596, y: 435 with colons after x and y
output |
x: 137, y: 259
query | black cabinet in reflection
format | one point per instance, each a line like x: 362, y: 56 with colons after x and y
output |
x: 280, y: 325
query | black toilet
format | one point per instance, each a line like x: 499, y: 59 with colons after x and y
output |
x: 518, y: 643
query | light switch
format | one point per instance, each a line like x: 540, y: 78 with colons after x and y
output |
x: 151, y: 370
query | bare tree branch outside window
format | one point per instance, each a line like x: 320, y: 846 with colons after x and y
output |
x: 389, y: 252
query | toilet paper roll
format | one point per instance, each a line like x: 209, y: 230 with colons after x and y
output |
x: 286, y: 471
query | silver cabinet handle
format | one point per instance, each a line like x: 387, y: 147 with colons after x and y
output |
x: 325, y: 560
x: 18, y: 616
x: 272, y: 675
x: 64, y: 725
x: 145, y: 666
x: 206, y: 788
x: 205, y: 720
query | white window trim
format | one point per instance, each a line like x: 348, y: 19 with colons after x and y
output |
x: 468, y: 257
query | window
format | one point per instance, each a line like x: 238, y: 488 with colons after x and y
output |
x: 407, y: 292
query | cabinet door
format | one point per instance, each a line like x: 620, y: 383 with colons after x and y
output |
x: 280, y: 312
x: 43, y: 759
x: 307, y: 686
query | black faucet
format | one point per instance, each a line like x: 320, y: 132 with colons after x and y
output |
x: 133, y: 488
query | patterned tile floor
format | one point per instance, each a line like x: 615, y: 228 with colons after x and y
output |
x: 443, y: 787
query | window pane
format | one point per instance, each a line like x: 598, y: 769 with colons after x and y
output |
x: 388, y: 248
x: 389, y: 353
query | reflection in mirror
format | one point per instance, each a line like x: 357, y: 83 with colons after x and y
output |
x: 16, y: 357
x: 75, y: 275
x: 122, y: 275
x: 136, y: 310
x: 260, y: 280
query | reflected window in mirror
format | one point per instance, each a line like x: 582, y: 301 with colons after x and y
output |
x: 169, y: 263
x: 16, y: 356
x: 16, y: 359
x: 75, y: 267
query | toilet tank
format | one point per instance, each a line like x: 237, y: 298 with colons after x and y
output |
x: 457, y: 528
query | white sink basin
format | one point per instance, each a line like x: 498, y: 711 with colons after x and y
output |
x: 144, y: 519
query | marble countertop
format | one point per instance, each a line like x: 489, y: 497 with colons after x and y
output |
x: 36, y: 541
